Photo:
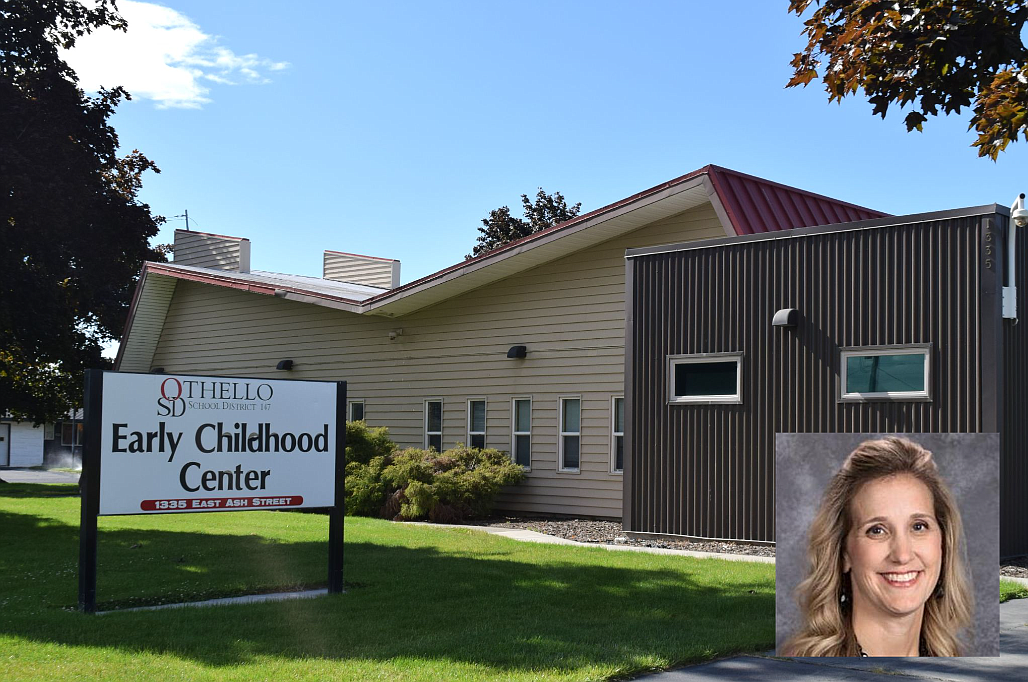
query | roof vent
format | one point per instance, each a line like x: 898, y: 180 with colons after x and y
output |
x: 214, y: 251
x: 371, y: 271
x: 786, y: 317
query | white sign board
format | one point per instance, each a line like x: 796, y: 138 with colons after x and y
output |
x: 172, y: 443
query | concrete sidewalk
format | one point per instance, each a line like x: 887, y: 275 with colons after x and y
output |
x: 37, y: 476
x: 1011, y: 666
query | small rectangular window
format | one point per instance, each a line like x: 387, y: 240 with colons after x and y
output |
x: 617, y: 441
x: 570, y: 434
x: 885, y: 373
x: 434, y: 425
x: 71, y: 434
x: 705, y: 378
x: 521, y: 434
x: 476, y: 423
x: 356, y: 410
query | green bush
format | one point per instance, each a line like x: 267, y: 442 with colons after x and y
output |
x: 447, y: 487
x: 364, y: 443
x: 415, y: 484
x: 365, y: 490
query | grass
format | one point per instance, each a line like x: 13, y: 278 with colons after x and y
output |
x: 422, y: 603
x: 1008, y: 589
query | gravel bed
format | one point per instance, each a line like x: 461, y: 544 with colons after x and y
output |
x: 1015, y: 568
x: 610, y: 533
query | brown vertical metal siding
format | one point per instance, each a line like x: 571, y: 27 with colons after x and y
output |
x: 1014, y: 427
x: 708, y: 470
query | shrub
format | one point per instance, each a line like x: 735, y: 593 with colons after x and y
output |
x: 365, y: 490
x: 364, y: 443
x: 447, y: 487
x: 414, y: 484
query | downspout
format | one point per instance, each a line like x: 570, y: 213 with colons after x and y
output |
x: 1018, y: 218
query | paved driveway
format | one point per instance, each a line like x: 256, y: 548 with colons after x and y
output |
x: 37, y: 476
x: 1011, y: 665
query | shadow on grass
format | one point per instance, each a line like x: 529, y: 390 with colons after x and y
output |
x: 492, y: 606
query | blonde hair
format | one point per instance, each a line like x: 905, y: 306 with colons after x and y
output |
x: 827, y: 629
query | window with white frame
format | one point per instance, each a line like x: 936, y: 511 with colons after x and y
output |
x: 434, y: 424
x: 521, y: 432
x: 704, y: 378
x: 885, y: 373
x: 617, y: 435
x: 356, y: 410
x: 570, y: 442
x: 476, y: 423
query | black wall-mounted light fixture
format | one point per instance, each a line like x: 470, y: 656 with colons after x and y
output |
x: 517, y: 352
x: 284, y: 364
x: 157, y: 370
x: 786, y: 317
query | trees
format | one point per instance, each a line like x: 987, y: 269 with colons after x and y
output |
x: 502, y: 228
x: 932, y: 54
x: 73, y: 234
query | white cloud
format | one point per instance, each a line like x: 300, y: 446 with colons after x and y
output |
x: 164, y: 56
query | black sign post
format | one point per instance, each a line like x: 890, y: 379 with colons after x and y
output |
x: 338, y: 512
x: 89, y: 487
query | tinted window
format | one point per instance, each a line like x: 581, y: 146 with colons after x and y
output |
x: 885, y: 373
x: 696, y: 379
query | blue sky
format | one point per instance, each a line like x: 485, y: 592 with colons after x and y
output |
x: 391, y: 128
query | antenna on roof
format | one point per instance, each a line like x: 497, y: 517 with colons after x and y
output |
x: 186, y: 216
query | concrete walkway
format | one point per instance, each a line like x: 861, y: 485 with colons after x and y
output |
x: 37, y: 476
x: 1011, y: 666
x: 226, y: 601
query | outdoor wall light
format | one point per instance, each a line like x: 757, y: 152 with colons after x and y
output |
x: 786, y: 317
x: 284, y: 364
x: 157, y: 370
x: 517, y: 352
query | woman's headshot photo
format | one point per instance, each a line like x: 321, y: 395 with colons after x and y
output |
x: 872, y: 555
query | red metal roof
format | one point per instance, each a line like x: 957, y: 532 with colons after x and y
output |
x: 756, y: 205
x: 753, y: 205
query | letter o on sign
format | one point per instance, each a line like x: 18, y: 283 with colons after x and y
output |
x: 164, y: 389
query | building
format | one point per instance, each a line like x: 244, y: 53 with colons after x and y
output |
x: 884, y: 325
x: 520, y: 349
x: 21, y: 444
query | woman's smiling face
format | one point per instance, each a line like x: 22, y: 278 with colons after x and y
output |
x: 894, y: 548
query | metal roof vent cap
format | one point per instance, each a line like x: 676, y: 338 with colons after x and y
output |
x: 786, y: 317
x: 517, y: 352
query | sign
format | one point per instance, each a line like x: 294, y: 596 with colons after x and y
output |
x: 174, y: 443
x: 159, y: 444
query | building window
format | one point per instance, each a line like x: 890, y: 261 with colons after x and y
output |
x: 885, y: 373
x: 434, y: 424
x: 570, y: 434
x: 356, y: 410
x: 705, y: 378
x: 476, y: 423
x: 617, y: 436
x: 71, y: 433
x: 521, y: 433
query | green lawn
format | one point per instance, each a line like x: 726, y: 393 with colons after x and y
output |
x: 1008, y: 589
x: 422, y: 603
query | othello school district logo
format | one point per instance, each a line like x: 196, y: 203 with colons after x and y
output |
x: 171, y: 403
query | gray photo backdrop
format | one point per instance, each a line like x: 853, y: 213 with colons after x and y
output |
x: 968, y: 462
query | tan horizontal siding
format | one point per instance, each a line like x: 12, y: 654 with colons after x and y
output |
x: 569, y: 313
x: 373, y: 272
x: 210, y: 251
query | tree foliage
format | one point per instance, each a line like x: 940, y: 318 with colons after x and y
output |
x: 74, y: 235
x: 935, y: 55
x: 502, y: 228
